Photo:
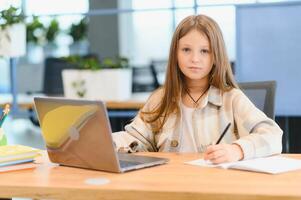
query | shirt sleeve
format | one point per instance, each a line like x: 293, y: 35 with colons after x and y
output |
x: 138, y: 135
x: 259, y: 135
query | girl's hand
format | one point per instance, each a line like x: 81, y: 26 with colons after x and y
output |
x: 223, y: 153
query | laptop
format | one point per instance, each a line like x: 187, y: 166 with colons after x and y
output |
x: 77, y: 133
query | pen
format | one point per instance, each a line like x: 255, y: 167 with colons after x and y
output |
x: 222, y: 135
x: 4, y: 114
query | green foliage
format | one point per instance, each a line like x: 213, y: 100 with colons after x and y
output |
x: 34, y: 30
x: 78, y: 31
x: 94, y: 64
x: 84, y: 63
x: 10, y: 16
x: 52, y: 30
x: 118, y: 62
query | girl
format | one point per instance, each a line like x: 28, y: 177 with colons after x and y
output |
x: 199, y: 98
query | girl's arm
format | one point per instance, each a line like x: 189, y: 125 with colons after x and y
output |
x: 138, y: 135
x: 259, y: 135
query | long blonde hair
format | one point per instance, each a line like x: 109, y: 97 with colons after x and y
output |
x: 221, y: 75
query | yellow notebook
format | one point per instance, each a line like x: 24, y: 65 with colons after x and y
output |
x: 17, y: 152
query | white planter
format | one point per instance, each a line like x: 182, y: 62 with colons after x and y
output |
x: 13, y: 40
x: 106, y: 84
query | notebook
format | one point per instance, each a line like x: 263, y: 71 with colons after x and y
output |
x: 16, y: 167
x: 11, y: 154
x: 17, y: 157
x: 77, y: 133
x: 271, y: 165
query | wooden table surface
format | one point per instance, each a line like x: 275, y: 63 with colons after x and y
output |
x: 174, y: 180
x: 134, y: 103
x: 130, y: 104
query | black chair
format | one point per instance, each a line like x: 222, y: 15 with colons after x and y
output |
x: 143, y: 80
x: 262, y: 94
x: 53, y: 83
x: 158, y: 69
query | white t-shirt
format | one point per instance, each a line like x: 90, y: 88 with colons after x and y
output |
x: 187, y: 140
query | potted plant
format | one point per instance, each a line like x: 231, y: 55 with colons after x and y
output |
x: 35, y: 38
x: 51, y: 32
x: 78, y: 32
x: 109, y: 80
x: 12, y: 33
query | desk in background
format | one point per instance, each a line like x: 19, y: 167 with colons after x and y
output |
x: 26, y: 101
x: 174, y: 180
x: 120, y: 112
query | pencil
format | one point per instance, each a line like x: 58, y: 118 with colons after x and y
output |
x: 222, y: 135
x: 4, y: 114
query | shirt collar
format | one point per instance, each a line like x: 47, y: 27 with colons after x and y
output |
x: 214, y: 96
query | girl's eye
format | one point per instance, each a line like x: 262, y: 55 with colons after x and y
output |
x: 204, y: 51
x: 185, y: 49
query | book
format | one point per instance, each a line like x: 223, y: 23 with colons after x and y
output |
x: 18, y: 167
x: 11, y: 153
x: 15, y: 162
x: 270, y: 165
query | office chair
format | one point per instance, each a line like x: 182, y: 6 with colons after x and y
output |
x: 158, y: 69
x: 262, y: 94
x: 53, y: 83
x: 143, y: 80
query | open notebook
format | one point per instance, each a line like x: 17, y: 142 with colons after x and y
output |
x: 271, y: 165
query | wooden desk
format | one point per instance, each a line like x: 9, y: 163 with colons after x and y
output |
x: 135, y: 103
x: 174, y: 180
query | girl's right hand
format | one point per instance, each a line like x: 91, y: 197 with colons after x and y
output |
x: 222, y: 153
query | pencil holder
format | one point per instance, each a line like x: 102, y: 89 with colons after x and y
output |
x: 3, y: 140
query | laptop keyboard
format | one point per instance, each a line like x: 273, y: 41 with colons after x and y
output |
x: 124, y: 163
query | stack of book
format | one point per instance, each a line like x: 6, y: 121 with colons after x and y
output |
x: 14, y: 157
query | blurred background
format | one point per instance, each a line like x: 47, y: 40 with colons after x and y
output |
x: 262, y: 37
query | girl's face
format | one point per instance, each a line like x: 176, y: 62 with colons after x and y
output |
x: 195, y: 56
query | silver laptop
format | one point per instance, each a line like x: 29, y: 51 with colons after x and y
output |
x: 78, y: 133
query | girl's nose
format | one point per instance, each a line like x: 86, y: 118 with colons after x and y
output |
x: 195, y: 57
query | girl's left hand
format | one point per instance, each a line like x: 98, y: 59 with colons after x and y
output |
x: 223, y: 153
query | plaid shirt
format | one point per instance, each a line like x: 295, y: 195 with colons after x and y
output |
x: 256, y: 134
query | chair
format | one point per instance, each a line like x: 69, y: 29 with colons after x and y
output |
x: 143, y: 80
x: 158, y: 69
x: 262, y: 94
x: 53, y: 83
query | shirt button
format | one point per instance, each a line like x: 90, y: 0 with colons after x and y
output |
x: 174, y: 143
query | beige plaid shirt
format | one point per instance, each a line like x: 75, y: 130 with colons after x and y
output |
x: 257, y: 134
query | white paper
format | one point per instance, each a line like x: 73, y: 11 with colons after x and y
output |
x: 206, y: 163
x: 272, y: 164
x: 18, y: 167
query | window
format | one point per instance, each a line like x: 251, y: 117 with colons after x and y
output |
x: 4, y: 68
x: 150, y: 33
x: 66, y: 14
x: 225, y: 17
